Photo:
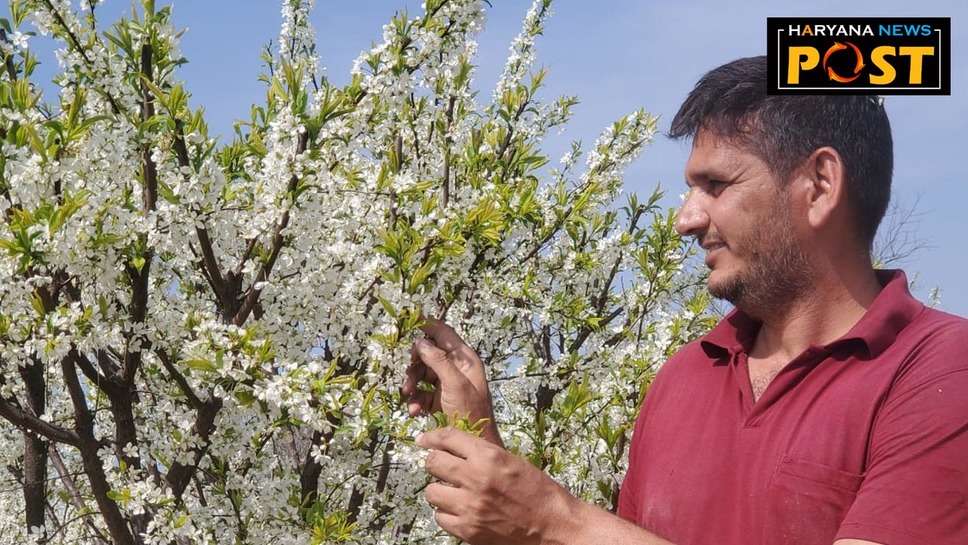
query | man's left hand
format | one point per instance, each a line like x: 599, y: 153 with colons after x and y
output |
x: 489, y: 496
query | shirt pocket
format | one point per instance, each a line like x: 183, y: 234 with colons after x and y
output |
x: 807, y: 502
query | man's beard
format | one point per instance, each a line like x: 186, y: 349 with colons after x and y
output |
x: 777, y: 270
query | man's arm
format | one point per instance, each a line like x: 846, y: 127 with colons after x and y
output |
x: 489, y: 496
x: 595, y: 525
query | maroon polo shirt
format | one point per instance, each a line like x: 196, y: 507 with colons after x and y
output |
x: 864, y: 438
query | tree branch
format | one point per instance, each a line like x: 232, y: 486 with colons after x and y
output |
x: 73, y: 492
x: 150, y: 196
x: 80, y: 50
x: 35, y: 448
x: 88, y: 446
x: 445, y: 194
x: 252, y: 297
x: 180, y: 475
x: 30, y: 423
x: 180, y: 380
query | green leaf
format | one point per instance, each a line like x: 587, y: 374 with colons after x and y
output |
x: 200, y: 364
x: 27, y: 133
x: 420, y: 276
x: 38, y: 304
x: 138, y: 263
x: 244, y: 397
x: 122, y: 497
x: 71, y: 204
x: 166, y: 193
x: 160, y: 94
x: 387, y: 306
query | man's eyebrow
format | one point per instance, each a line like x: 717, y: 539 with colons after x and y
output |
x: 705, y: 175
x: 699, y: 176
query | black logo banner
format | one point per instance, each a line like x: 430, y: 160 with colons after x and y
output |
x: 859, y: 55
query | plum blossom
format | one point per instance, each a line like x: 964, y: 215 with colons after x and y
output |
x: 203, y: 341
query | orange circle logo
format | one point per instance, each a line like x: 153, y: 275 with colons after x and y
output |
x: 832, y: 74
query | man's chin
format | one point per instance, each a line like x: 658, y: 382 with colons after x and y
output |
x: 726, y: 288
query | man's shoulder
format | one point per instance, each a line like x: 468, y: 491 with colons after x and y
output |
x: 689, y: 355
x: 933, y: 345
x: 946, y: 322
x: 688, y: 364
x: 682, y: 379
x: 936, y: 328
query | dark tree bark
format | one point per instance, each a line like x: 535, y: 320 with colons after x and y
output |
x: 35, y: 449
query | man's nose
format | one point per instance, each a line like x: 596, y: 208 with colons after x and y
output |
x: 692, y: 218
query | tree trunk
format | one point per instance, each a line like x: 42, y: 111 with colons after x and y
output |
x: 35, y: 450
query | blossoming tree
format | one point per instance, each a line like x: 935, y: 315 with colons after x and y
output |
x: 203, y: 342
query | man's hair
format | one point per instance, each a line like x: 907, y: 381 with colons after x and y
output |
x: 783, y: 130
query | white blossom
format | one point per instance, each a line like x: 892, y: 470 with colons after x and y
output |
x: 222, y: 328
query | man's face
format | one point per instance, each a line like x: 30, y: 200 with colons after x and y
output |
x: 741, y: 216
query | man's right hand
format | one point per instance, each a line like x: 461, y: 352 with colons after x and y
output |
x: 444, y: 361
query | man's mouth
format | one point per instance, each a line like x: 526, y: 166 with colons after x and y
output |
x: 709, y: 246
x: 712, y: 249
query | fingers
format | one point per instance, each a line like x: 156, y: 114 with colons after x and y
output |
x: 436, y: 359
x: 446, y: 499
x: 414, y: 407
x: 466, y: 360
x: 446, y: 467
x: 428, y: 374
x: 415, y: 373
x: 412, y: 376
x: 448, y: 522
x: 422, y: 403
x: 453, y: 441
x: 442, y: 334
x: 418, y: 401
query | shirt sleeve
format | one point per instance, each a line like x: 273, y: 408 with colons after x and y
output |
x: 632, y: 483
x: 915, y: 488
x: 627, y: 495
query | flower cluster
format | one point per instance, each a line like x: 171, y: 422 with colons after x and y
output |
x: 203, y: 343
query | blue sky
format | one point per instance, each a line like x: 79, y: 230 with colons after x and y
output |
x: 617, y: 56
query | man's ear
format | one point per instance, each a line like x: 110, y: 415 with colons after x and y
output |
x: 822, y: 176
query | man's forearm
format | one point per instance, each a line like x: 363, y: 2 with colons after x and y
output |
x: 591, y: 524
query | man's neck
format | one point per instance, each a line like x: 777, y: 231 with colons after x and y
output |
x: 835, y: 302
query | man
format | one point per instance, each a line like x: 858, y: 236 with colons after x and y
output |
x: 828, y: 407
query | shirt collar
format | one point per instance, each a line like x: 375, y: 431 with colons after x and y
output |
x: 890, y: 312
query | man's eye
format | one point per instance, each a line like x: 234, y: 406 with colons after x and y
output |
x: 715, y: 186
